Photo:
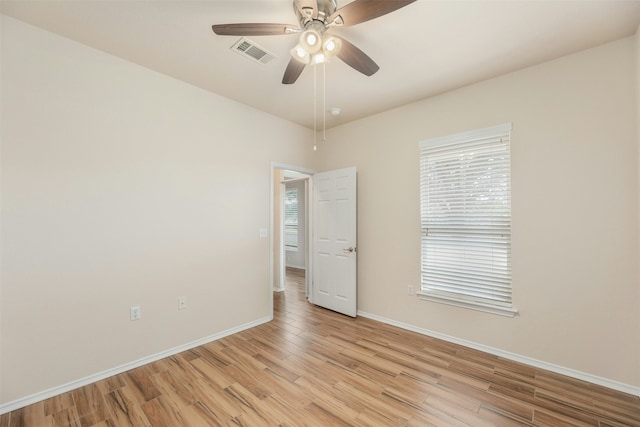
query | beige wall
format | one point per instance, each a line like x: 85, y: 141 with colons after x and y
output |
x: 574, y: 203
x: 121, y: 187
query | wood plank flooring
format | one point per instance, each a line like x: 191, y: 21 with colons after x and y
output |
x: 313, y: 367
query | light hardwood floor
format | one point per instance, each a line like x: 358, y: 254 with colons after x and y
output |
x: 313, y: 367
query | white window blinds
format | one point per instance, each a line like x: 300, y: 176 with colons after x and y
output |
x: 465, y: 202
x: 291, y: 219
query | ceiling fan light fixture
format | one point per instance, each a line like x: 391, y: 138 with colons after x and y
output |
x: 319, y: 58
x: 300, y: 54
x: 331, y: 46
x: 311, y: 41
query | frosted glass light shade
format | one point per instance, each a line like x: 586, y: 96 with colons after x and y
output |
x: 331, y: 46
x: 300, y: 54
x: 311, y: 41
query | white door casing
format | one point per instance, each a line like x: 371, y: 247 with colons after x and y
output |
x: 334, y: 240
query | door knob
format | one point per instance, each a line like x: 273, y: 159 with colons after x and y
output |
x: 349, y: 250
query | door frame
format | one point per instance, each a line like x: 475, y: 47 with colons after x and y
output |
x: 308, y: 261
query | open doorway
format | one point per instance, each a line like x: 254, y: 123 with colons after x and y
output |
x: 294, y: 225
x: 330, y: 246
x: 290, y: 222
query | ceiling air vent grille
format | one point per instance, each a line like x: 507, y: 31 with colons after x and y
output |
x: 246, y: 47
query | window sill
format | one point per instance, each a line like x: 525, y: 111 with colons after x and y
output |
x: 478, y: 306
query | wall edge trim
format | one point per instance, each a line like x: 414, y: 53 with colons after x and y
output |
x: 54, y: 391
x: 594, y: 379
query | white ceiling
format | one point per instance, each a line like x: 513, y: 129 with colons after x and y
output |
x: 426, y: 48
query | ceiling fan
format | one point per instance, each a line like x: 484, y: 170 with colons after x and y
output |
x: 315, y: 45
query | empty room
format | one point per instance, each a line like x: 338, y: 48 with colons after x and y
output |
x: 319, y: 212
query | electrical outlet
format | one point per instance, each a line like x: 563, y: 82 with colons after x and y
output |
x: 136, y: 312
x: 182, y: 303
x: 410, y: 290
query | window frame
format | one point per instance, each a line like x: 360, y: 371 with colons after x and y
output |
x: 466, y: 226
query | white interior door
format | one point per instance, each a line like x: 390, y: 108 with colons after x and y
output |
x: 334, y: 240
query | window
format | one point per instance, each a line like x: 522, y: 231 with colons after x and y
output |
x: 291, y: 219
x: 465, y: 213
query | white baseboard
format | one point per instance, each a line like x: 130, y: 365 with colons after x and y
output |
x: 625, y: 388
x: 37, y: 397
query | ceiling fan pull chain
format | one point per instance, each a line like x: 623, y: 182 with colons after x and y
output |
x: 324, y: 102
x: 315, y: 108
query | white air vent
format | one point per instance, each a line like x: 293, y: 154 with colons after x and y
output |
x: 246, y: 47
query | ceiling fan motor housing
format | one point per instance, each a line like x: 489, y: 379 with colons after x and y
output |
x: 304, y: 13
